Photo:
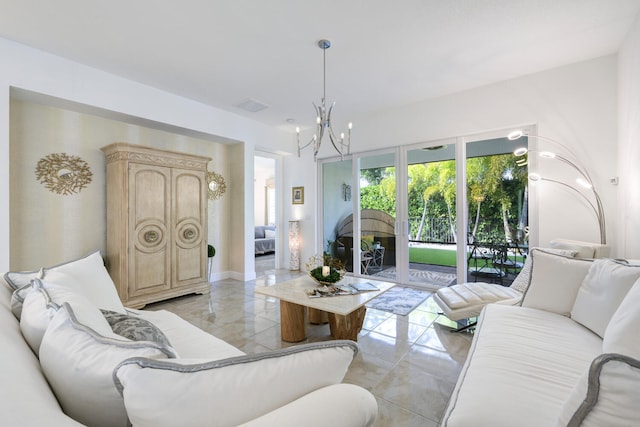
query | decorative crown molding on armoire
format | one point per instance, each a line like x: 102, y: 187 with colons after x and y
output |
x: 156, y: 223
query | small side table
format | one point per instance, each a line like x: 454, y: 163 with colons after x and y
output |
x: 377, y: 260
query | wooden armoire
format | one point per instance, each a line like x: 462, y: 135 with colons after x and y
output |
x: 156, y: 223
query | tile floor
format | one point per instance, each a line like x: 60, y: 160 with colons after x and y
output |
x: 410, y: 363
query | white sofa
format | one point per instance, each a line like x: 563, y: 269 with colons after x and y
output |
x: 466, y: 300
x: 67, y: 361
x: 568, y: 355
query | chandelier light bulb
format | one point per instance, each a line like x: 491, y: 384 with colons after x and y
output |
x: 547, y: 154
x: 534, y: 177
x: 520, y: 151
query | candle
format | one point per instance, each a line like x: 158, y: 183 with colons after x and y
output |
x: 325, y: 270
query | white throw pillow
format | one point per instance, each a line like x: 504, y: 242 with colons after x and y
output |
x: 602, y: 291
x: 521, y: 282
x: 42, y: 303
x: 88, y: 277
x: 18, y: 279
x: 269, y: 234
x: 605, y: 395
x: 581, y: 249
x: 555, y: 280
x: 78, y: 364
x: 230, y: 391
x: 620, y: 336
x: 608, y: 393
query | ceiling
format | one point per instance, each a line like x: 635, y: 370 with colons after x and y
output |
x: 384, y: 53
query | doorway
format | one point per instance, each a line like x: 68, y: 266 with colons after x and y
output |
x: 265, y: 213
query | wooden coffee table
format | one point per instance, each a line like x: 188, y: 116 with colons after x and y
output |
x: 344, y: 313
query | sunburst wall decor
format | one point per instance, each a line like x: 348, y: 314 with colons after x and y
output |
x: 216, y: 185
x: 63, y: 174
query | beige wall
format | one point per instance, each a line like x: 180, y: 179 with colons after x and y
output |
x: 48, y: 228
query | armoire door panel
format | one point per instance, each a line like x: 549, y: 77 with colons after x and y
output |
x: 151, y: 192
x: 151, y: 272
x: 149, y: 217
x: 187, y: 195
x: 189, y: 266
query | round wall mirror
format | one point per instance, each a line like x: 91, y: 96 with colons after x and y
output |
x: 63, y: 174
x: 216, y: 184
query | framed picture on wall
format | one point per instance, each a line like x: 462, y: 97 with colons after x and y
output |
x: 297, y: 195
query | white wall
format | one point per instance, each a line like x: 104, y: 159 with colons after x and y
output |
x: 628, y: 216
x: 46, y: 74
x: 576, y: 105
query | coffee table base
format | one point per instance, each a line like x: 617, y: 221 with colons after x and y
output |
x: 292, y: 322
x: 347, y: 327
x: 293, y: 326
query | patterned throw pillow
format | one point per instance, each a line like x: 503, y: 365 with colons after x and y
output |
x: 135, y: 328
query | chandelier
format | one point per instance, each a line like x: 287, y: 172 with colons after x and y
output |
x: 323, y: 118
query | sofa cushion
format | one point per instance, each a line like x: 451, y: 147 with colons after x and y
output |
x: 230, y: 391
x: 41, y: 304
x: 78, y: 364
x: 522, y: 365
x: 25, y: 396
x: 555, y: 280
x: 602, y: 291
x: 187, y: 340
x: 88, y: 277
x: 134, y: 328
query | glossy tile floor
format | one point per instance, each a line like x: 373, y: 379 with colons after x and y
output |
x: 410, y: 363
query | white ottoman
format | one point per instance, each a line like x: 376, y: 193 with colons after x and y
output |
x: 466, y: 300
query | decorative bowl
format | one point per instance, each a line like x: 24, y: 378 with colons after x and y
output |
x: 317, y: 264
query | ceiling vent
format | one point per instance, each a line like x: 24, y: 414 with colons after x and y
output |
x: 252, y: 105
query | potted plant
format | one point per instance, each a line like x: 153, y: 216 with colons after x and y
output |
x: 211, y: 252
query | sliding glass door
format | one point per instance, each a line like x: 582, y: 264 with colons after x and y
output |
x: 432, y: 215
x: 377, y: 209
x: 429, y: 215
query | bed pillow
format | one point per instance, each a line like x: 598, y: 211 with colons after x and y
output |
x: 78, y: 364
x: 555, y: 280
x: 269, y: 234
x: 88, y: 277
x: 602, y: 291
x: 230, y: 391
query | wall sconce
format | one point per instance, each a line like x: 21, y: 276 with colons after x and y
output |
x: 583, y: 180
x: 346, y: 192
x: 294, y: 245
